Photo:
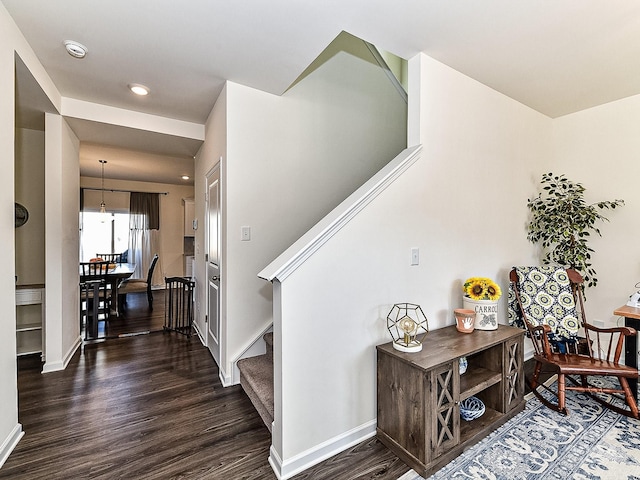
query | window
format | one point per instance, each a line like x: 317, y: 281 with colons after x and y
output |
x: 103, y: 236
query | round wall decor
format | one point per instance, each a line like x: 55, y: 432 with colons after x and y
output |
x: 22, y: 215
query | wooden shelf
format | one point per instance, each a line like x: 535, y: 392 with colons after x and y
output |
x: 476, y: 379
x: 28, y: 327
x: 30, y: 314
x: 478, y: 426
x: 419, y: 393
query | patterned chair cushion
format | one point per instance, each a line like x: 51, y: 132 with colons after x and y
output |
x: 545, y: 292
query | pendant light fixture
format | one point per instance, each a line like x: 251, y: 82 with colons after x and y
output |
x: 103, y: 207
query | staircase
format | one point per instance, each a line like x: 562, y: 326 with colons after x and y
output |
x: 256, y: 379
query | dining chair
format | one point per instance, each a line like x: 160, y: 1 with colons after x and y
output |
x: 137, y: 285
x: 550, y: 303
x: 110, y: 257
x: 94, y: 296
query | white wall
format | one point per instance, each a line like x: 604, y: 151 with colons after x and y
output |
x: 481, y: 149
x: 599, y: 148
x: 170, y: 254
x: 62, y: 203
x: 462, y: 204
x: 213, y: 151
x: 292, y: 159
x: 289, y: 161
x: 11, y: 41
x: 10, y: 429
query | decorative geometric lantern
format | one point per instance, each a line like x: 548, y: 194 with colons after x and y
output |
x: 405, y: 322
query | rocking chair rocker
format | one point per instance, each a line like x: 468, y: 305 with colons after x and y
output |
x: 548, y: 300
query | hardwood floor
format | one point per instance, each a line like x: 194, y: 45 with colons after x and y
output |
x: 135, y: 317
x: 367, y: 460
x: 147, y: 407
x: 152, y: 407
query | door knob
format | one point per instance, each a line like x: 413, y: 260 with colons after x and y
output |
x: 215, y: 279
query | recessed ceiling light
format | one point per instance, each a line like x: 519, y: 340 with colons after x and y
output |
x: 185, y: 177
x: 139, y: 89
x: 75, y: 49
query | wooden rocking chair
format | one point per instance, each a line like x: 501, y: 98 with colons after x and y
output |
x: 549, y: 300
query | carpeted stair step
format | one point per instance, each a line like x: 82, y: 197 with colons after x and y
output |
x: 256, y: 378
x: 268, y: 339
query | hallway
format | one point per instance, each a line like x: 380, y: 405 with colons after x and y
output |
x: 143, y: 407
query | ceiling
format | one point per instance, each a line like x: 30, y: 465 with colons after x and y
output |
x: 556, y: 56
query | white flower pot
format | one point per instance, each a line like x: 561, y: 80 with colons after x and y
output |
x: 486, y: 313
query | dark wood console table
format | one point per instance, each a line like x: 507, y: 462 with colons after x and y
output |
x: 419, y: 393
x: 631, y: 319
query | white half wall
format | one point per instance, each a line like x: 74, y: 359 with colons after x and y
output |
x: 462, y: 204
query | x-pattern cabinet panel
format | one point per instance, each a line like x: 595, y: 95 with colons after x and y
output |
x: 419, y: 394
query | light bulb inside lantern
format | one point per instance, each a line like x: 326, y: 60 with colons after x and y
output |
x: 409, y: 327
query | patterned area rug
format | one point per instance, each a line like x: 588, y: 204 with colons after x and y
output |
x: 591, y: 443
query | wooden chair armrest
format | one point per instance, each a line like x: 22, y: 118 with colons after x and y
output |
x: 608, y: 342
x: 626, y: 331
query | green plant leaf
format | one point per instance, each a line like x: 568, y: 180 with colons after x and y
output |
x: 561, y: 222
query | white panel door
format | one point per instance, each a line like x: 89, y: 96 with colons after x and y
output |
x: 213, y: 262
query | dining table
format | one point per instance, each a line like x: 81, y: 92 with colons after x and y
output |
x: 115, y: 275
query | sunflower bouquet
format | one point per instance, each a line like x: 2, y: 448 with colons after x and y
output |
x: 481, y: 288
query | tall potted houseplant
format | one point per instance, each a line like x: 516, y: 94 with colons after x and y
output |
x: 562, y: 222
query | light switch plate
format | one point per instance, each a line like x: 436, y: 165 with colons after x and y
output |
x: 245, y: 234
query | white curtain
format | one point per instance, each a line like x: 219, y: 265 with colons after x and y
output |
x: 144, y: 234
x: 143, y: 245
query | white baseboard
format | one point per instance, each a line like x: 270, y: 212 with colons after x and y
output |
x: 64, y: 361
x: 10, y: 443
x: 275, y: 461
x: 298, y: 463
x: 199, y: 334
x: 410, y: 475
x: 226, y: 380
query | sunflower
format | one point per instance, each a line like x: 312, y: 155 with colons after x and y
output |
x: 471, y: 281
x: 474, y: 288
x: 481, y: 288
x: 493, y: 290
